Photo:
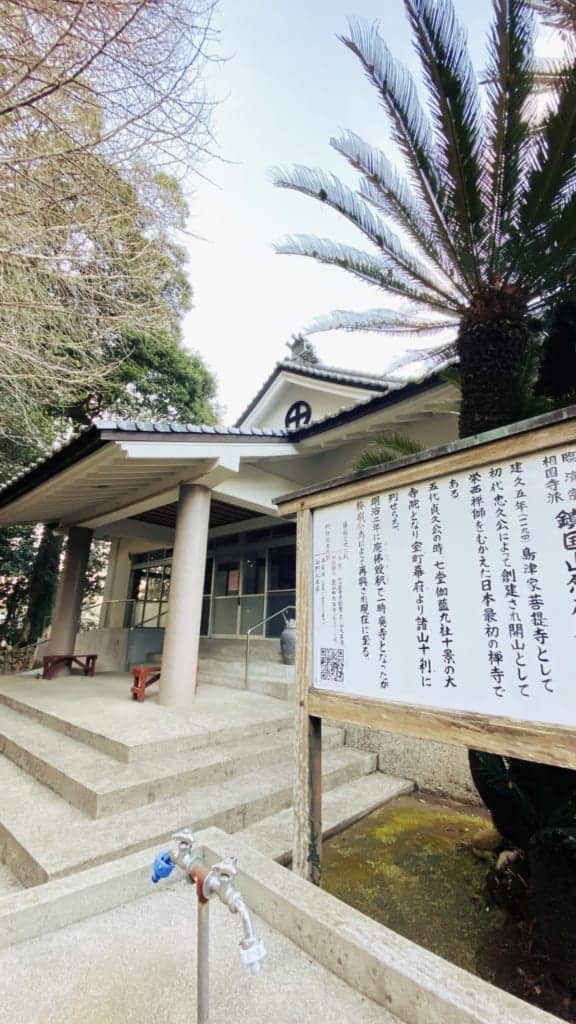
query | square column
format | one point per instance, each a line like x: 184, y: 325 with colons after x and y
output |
x: 182, y: 636
x: 70, y: 592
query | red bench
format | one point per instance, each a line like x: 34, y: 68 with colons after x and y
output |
x: 143, y: 676
x: 146, y: 675
x: 50, y: 662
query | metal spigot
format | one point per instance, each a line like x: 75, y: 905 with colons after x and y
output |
x: 220, y: 882
x: 185, y: 855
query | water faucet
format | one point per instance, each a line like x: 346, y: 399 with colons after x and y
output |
x: 185, y: 855
x: 220, y: 882
x: 216, y: 881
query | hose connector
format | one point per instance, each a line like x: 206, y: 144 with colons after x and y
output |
x: 163, y: 867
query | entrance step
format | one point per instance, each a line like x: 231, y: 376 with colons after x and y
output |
x: 271, y: 679
x: 9, y: 884
x: 99, y: 786
x: 100, y: 714
x: 44, y: 837
x: 231, y: 649
x: 341, y: 807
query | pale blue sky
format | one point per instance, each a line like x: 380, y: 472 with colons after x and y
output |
x: 289, y: 85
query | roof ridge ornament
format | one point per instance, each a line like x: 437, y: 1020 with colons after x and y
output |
x: 302, y: 351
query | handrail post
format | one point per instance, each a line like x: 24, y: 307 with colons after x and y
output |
x: 246, y: 657
x: 251, y: 630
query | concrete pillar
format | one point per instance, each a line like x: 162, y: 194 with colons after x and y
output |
x: 70, y: 592
x: 182, y: 636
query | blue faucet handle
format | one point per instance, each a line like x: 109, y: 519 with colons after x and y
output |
x: 163, y: 866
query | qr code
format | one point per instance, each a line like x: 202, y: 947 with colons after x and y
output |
x: 332, y: 664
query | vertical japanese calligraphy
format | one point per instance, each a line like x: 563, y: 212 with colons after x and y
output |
x: 417, y: 547
x: 380, y: 585
x: 441, y: 587
x: 457, y: 592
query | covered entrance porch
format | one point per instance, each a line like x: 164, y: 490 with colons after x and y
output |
x: 197, y: 548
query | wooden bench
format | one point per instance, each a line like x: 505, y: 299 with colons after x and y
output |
x: 50, y: 662
x: 146, y: 675
x: 143, y: 676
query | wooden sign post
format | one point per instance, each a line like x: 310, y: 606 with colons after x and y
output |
x: 436, y: 598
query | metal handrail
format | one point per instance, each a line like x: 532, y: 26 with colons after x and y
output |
x: 251, y: 630
x: 131, y: 601
x: 101, y: 605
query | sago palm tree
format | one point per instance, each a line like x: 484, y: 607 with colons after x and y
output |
x: 477, y: 232
x: 560, y: 14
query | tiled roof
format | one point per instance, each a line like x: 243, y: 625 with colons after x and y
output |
x: 330, y: 374
x: 144, y: 427
x: 93, y: 437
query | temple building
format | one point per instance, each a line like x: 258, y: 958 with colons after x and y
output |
x: 197, y: 546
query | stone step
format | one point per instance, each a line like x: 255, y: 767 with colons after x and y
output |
x: 258, y: 682
x: 236, y: 669
x: 261, y: 649
x: 98, y: 785
x: 341, y: 807
x: 56, y: 839
x: 135, y: 732
x: 9, y: 884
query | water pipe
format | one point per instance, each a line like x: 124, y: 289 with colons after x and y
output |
x: 215, y: 881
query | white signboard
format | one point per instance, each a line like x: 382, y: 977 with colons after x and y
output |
x: 458, y: 593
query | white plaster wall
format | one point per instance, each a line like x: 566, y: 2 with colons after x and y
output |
x: 109, y: 644
x: 431, y: 431
x: 322, y: 402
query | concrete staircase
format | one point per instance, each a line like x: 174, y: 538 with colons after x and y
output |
x: 223, y: 663
x: 69, y: 800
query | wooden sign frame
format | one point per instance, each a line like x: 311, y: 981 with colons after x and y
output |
x: 551, y: 744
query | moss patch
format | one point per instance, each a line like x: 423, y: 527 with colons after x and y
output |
x: 419, y: 867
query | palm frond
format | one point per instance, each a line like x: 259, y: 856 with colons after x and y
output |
x: 442, y: 47
x: 386, y: 189
x: 559, y: 14
x: 548, y: 72
x: 370, y: 269
x: 334, y: 193
x: 548, y: 259
x: 510, y: 82
x: 378, y: 321
x: 411, y: 129
x: 385, y: 448
x: 553, y: 175
x: 434, y: 357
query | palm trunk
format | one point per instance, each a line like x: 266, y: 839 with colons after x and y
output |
x: 495, y: 352
x: 557, y: 376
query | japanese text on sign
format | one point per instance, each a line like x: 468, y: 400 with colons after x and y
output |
x: 457, y: 593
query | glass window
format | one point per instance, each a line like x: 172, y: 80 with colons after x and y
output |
x: 251, y: 612
x: 208, y: 575
x: 227, y: 578
x: 205, y: 620
x: 254, y: 573
x: 154, y: 589
x: 140, y: 586
x: 282, y: 568
x: 275, y: 603
x: 225, y: 614
x: 150, y: 587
